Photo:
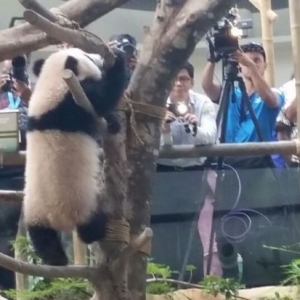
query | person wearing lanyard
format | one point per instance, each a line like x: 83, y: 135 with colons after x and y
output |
x: 13, y: 95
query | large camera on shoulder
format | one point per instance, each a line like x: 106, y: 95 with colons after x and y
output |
x: 225, y: 35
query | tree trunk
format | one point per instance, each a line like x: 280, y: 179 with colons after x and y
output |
x: 111, y: 283
x: 178, y: 26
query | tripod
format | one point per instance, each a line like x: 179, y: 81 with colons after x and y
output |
x: 230, y: 75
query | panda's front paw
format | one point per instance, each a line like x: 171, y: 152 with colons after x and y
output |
x: 113, y: 124
x: 114, y: 127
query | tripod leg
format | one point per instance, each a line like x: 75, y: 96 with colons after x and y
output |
x: 194, y: 226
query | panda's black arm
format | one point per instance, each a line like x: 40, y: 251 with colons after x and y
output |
x: 107, y: 93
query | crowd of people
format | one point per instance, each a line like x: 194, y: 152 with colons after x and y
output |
x: 191, y: 120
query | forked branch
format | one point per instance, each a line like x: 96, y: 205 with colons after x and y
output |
x: 25, y: 38
x: 79, y: 38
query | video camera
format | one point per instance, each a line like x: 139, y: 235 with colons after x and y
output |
x: 126, y: 43
x: 18, y: 71
x: 227, y: 32
x: 128, y: 48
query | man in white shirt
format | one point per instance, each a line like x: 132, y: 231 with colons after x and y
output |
x: 196, y: 127
x: 287, y: 119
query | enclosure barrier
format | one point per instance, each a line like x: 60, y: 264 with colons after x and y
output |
x: 188, y: 151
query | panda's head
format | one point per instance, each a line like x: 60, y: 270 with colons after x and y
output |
x: 84, y: 65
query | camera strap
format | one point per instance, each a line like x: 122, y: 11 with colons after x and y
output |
x: 13, y: 104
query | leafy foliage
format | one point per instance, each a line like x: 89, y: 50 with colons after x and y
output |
x: 67, y: 289
x: 46, y: 289
x: 161, y: 271
x: 215, y: 285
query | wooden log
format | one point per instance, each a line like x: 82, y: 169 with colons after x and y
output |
x: 25, y: 38
x: 188, y: 151
x: 267, y: 39
x: 240, y: 149
x: 294, y: 7
x: 40, y: 9
x: 272, y: 16
x: 79, y: 38
x: 11, y: 196
x: 21, y: 279
x: 79, y: 250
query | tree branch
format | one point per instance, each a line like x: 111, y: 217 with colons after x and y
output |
x: 79, y: 38
x: 81, y: 98
x: 39, y: 9
x: 46, y: 271
x: 142, y: 240
x: 25, y: 38
x: 11, y: 196
x: 190, y: 151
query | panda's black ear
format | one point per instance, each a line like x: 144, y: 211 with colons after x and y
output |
x: 37, y: 66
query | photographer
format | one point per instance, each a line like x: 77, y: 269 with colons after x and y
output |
x: 253, y: 178
x: 16, y: 91
x: 190, y: 119
x: 266, y: 101
x: 15, y: 94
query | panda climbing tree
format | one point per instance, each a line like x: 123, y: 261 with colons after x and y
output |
x: 119, y: 200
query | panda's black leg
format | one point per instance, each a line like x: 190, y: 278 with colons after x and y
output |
x: 94, y: 229
x: 48, y: 246
x: 113, y: 124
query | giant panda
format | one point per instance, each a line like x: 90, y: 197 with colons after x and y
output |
x: 62, y: 165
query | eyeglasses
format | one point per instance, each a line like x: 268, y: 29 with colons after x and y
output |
x: 182, y: 79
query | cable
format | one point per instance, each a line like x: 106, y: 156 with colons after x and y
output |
x: 238, y: 214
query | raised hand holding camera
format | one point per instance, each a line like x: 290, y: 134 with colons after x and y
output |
x: 180, y: 111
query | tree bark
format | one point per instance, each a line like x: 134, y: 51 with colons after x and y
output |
x: 110, y: 252
x: 25, y: 38
x: 178, y: 26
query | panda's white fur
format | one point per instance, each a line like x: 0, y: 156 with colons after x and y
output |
x: 62, y: 165
x: 51, y: 155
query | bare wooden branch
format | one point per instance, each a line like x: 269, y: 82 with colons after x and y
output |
x: 79, y: 38
x: 39, y: 9
x: 81, y: 98
x: 25, y: 38
x: 239, y: 149
x: 46, y: 271
x: 11, y: 196
x: 141, y: 240
x: 268, y: 41
x: 189, y: 151
x: 295, y: 34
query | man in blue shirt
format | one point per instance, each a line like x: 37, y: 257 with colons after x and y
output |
x: 266, y: 101
x: 251, y: 192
